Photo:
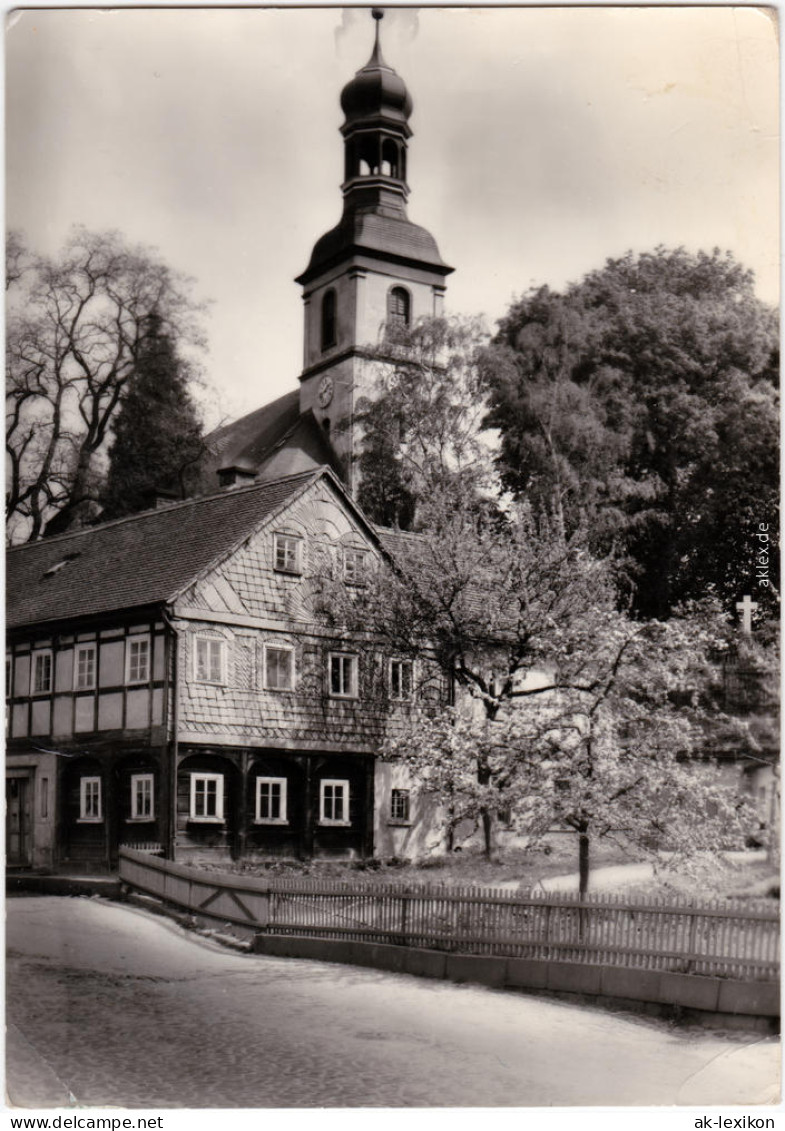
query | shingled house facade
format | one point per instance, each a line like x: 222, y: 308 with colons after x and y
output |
x: 172, y: 684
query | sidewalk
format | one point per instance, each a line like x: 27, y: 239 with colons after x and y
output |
x: 37, y: 884
x: 617, y: 876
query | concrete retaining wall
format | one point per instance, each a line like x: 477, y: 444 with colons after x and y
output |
x: 715, y: 999
x: 244, y: 902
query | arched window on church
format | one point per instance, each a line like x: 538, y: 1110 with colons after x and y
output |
x: 368, y: 155
x: 328, y: 320
x: 399, y: 306
x: 390, y: 159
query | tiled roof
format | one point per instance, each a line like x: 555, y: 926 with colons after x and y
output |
x: 395, y: 541
x: 249, y: 439
x: 133, y: 562
x: 271, y: 442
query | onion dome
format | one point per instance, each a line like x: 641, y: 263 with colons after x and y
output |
x: 376, y: 91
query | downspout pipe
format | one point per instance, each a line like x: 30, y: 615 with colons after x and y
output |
x: 175, y: 685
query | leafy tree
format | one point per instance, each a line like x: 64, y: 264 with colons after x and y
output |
x: 74, y: 332
x: 422, y: 424
x: 568, y: 711
x: 489, y: 598
x: 613, y: 751
x: 157, y: 432
x: 642, y: 403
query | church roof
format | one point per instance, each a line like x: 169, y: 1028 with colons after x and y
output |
x: 145, y: 559
x: 304, y: 447
x: 246, y: 441
x: 273, y: 441
x: 379, y: 235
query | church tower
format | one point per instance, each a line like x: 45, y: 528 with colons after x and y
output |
x: 376, y: 266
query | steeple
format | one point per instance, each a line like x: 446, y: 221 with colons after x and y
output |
x: 373, y: 267
x: 377, y: 107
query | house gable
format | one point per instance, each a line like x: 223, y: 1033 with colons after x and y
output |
x: 246, y: 582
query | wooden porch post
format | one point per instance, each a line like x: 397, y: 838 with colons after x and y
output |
x: 370, y: 794
x: 242, y: 821
x: 307, y: 837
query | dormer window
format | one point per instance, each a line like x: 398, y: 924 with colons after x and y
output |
x: 399, y: 307
x: 328, y: 320
x: 55, y: 569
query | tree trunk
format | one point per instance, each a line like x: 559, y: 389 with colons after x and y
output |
x: 486, y: 816
x: 487, y: 832
x: 583, y: 862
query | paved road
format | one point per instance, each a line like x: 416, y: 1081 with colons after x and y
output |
x: 109, y: 1005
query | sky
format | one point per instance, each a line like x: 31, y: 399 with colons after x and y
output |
x: 545, y: 141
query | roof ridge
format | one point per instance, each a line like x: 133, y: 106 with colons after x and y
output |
x: 217, y: 432
x: 397, y: 532
x: 224, y: 493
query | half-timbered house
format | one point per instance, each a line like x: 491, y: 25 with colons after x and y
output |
x: 172, y: 684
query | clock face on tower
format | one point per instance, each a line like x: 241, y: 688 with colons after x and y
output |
x: 325, y: 392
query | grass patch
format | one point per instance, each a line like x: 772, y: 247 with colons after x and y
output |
x: 526, y: 868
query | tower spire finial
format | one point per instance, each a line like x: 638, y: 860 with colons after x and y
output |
x: 378, y: 15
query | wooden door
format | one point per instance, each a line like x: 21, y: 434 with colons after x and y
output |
x: 17, y: 821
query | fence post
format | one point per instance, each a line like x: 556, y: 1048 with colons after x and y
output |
x: 692, y: 940
x: 404, y: 918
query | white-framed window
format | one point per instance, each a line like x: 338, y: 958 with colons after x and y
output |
x: 400, y: 807
x: 343, y: 675
x: 84, y: 667
x: 288, y: 553
x: 137, y: 659
x: 401, y: 679
x: 355, y: 564
x: 41, y: 673
x: 207, y: 797
x: 279, y: 667
x: 271, y: 801
x: 142, y: 797
x: 209, y: 660
x: 333, y: 801
x: 90, y: 799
